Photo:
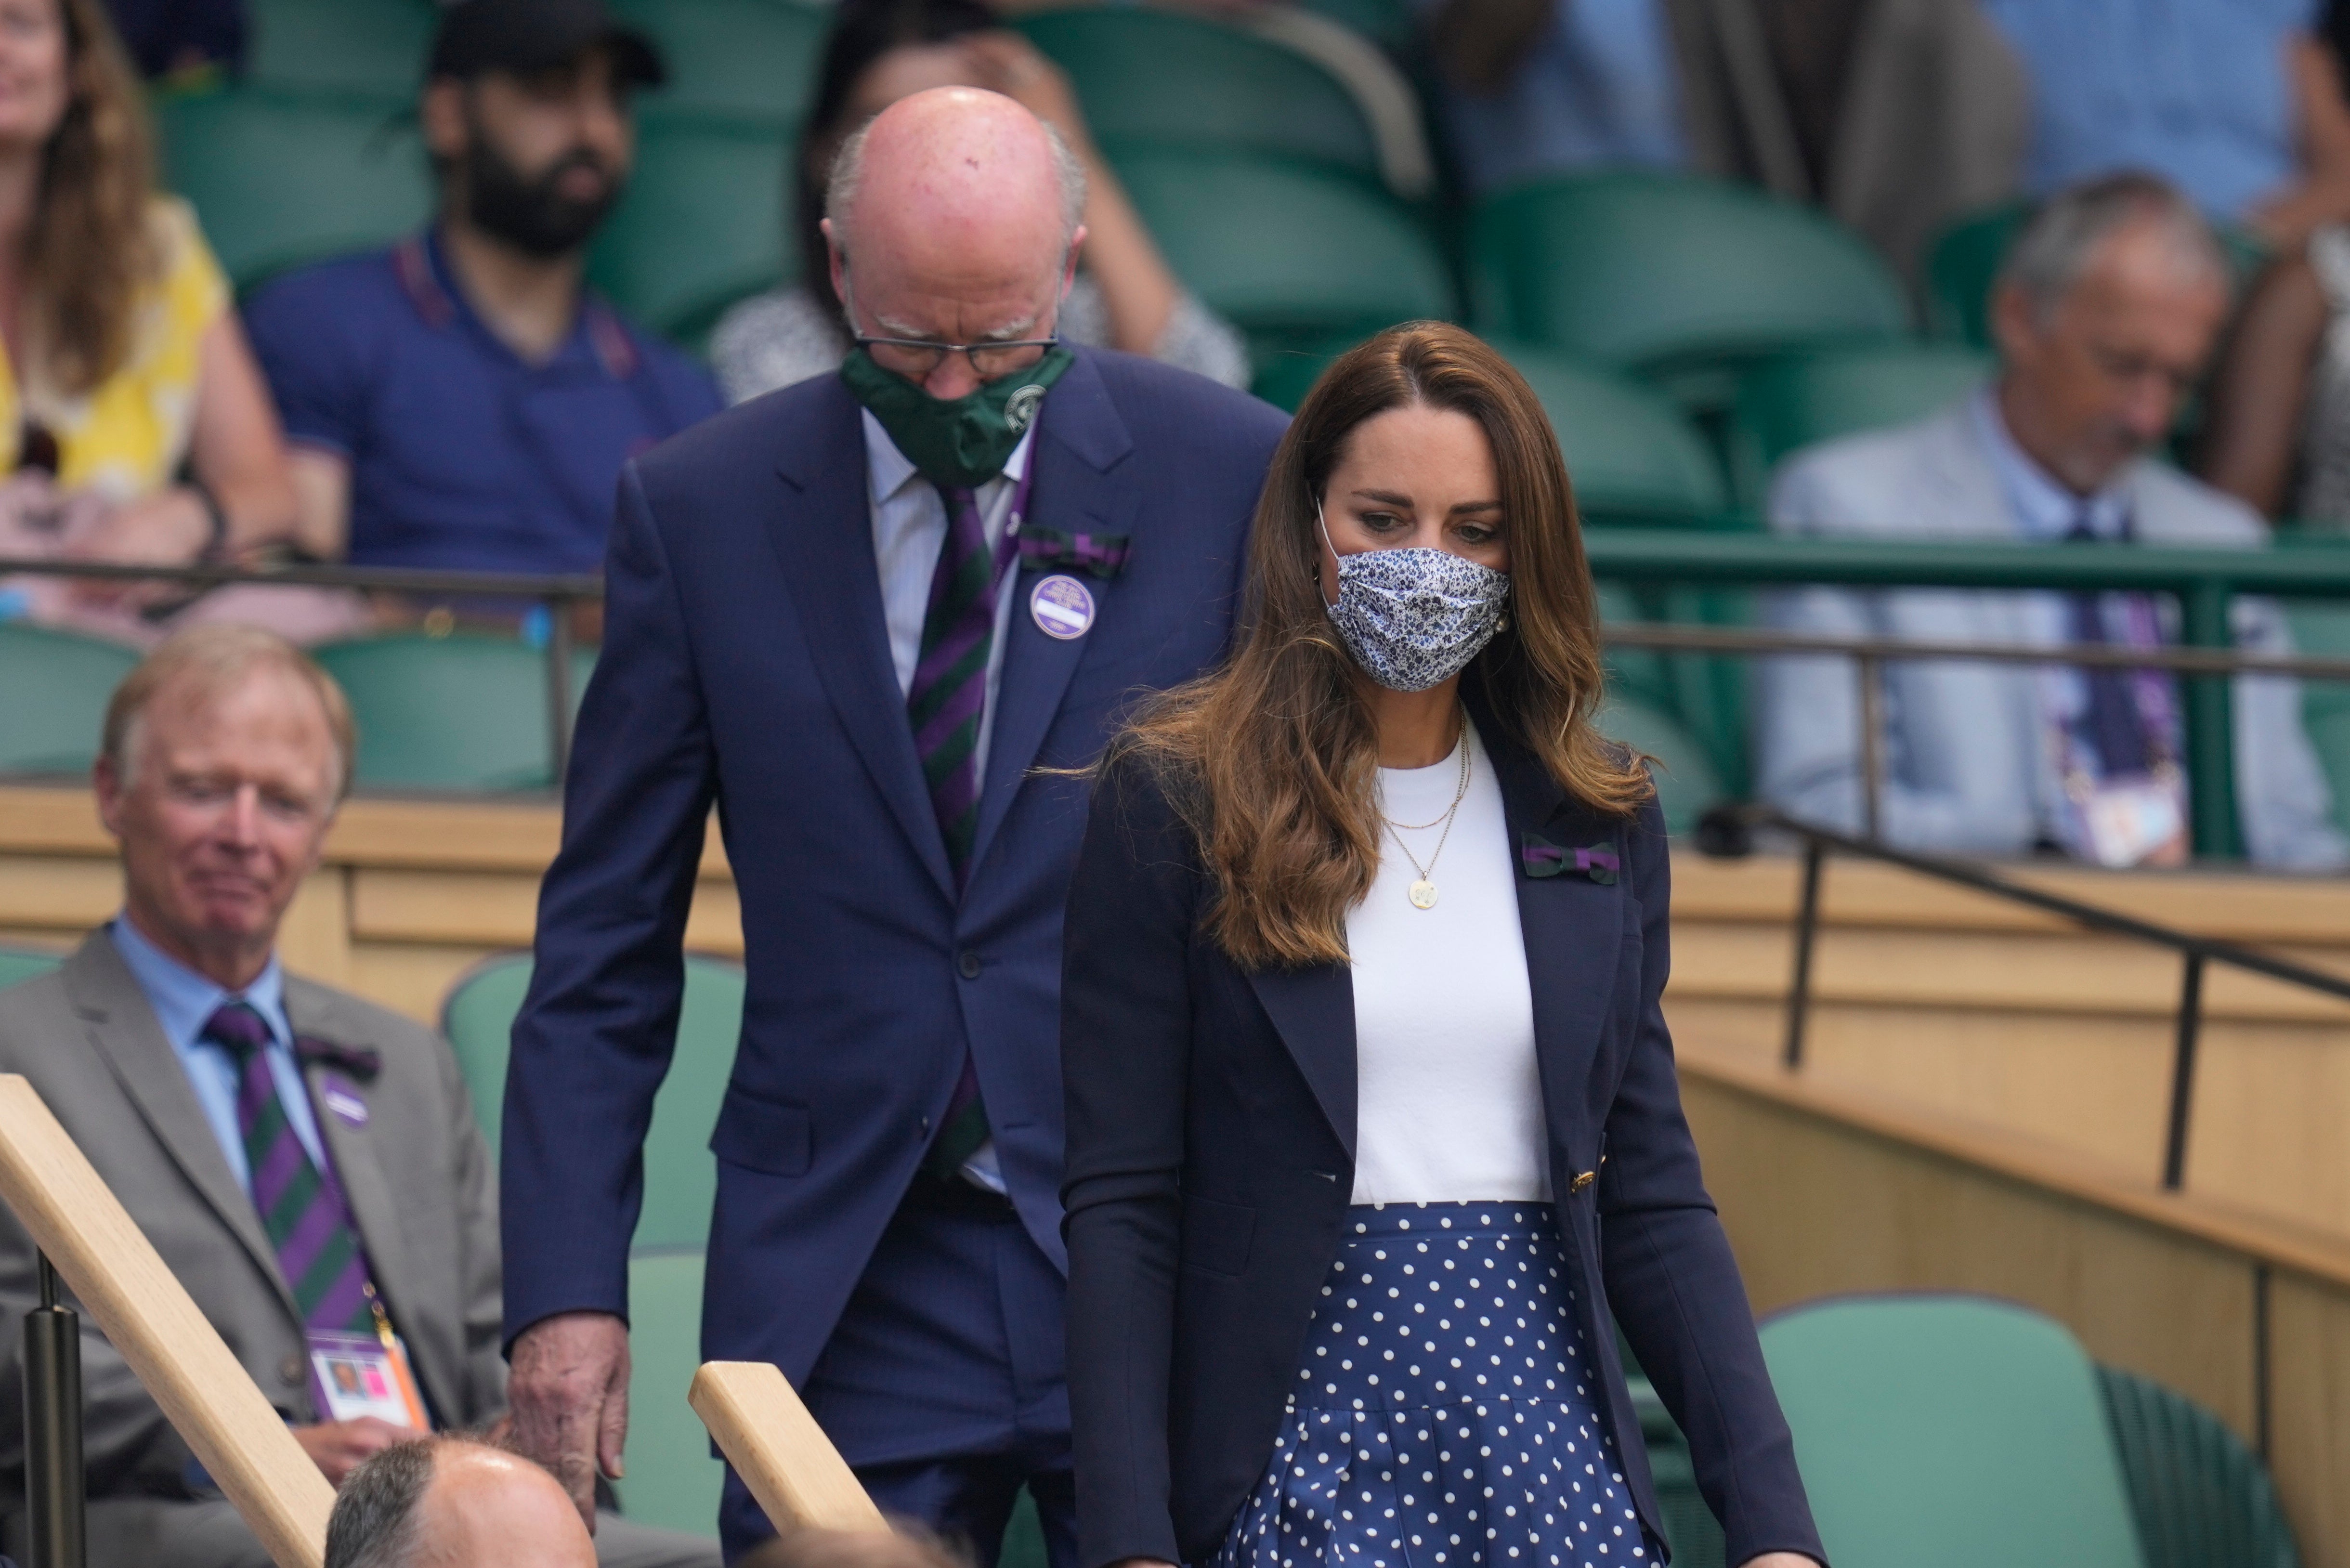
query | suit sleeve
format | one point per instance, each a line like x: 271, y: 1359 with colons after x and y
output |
x: 1125, y: 1025
x: 1669, y: 1274
x: 2283, y: 798
x: 474, y: 1180
x: 595, y: 1035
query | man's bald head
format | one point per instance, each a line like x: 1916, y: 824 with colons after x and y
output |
x: 446, y: 1502
x: 954, y: 215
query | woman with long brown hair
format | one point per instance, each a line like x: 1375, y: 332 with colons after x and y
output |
x: 134, y: 425
x: 1363, y: 1049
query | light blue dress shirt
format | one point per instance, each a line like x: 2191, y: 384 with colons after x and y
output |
x: 2193, y: 90
x: 183, y: 1000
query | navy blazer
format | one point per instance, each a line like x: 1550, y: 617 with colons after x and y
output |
x: 746, y: 664
x: 1212, y: 1133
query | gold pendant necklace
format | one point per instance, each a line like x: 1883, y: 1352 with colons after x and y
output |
x: 1422, y: 892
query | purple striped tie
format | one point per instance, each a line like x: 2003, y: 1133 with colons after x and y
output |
x: 301, y: 1208
x: 944, y: 702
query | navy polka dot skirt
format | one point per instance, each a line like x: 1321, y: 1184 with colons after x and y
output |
x: 1447, y: 1413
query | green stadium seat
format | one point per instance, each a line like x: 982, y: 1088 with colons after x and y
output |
x: 1632, y: 456
x: 672, y: 1481
x: 25, y: 963
x: 680, y: 1174
x: 1940, y: 1431
x: 1291, y: 254
x: 2202, y: 1498
x: 279, y: 179
x: 57, y: 685
x: 750, y: 60
x: 1171, y: 81
x: 1815, y: 395
x: 1688, y: 783
x: 1388, y: 24
x: 1679, y: 279
x: 701, y: 226
x: 464, y: 711
x: 2322, y: 631
x: 374, y: 48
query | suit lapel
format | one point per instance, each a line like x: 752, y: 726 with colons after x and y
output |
x: 124, y: 1029
x: 1314, y: 1009
x: 1079, y: 441
x: 822, y: 532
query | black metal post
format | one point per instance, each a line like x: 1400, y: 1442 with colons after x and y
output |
x: 2182, y: 1072
x: 558, y: 686
x: 53, y: 1453
x: 1867, y: 670
x: 1807, y: 926
x: 2261, y: 1368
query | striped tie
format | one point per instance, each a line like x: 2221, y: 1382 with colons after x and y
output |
x: 301, y: 1209
x: 944, y: 702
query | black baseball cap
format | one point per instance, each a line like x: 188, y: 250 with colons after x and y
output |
x: 524, y: 36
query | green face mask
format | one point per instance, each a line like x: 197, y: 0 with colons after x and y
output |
x: 962, y: 440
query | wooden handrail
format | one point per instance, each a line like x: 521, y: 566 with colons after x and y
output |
x: 147, y: 1315
x: 776, y: 1446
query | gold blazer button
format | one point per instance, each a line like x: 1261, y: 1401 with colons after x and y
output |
x: 1583, y: 1178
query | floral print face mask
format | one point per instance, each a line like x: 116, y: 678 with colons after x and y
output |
x: 1414, y: 618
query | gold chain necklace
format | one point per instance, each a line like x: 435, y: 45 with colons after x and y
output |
x: 1423, y: 890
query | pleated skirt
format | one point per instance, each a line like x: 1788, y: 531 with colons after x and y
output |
x: 1447, y: 1414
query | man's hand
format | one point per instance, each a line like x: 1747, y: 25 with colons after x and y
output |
x: 337, y: 1448
x: 568, y: 1385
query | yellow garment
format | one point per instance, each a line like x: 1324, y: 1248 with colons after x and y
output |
x: 127, y: 436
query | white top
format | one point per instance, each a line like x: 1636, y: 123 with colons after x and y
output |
x: 1448, y: 1099
x: 910, y: 529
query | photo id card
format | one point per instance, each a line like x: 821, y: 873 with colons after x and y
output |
x: 2127, y: 820
x: 357, y: 1374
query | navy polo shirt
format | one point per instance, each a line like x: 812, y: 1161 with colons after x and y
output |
x: 464, y: 455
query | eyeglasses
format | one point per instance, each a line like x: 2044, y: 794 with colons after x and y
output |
x: 916, y: 359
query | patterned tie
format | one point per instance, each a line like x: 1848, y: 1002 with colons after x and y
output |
x: 944, y: 703
x: 2113, y: 722
x: 301, y: 1211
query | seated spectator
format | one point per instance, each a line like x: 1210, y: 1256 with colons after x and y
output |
x: 883, y: 50
x: 306, y: 1162
x: 2277, y: 422
x: 183, y: 40
x: 2104, y: 313
x: 2236, y: 102
x: 460, y: 401
x: 133, y: 424
x: 450, y: 1502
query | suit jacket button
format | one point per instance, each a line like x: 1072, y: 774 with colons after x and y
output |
x: 1583, y: 1178
x: 968, y: 966
x: 290, y: 1369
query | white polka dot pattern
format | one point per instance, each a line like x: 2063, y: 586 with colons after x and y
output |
x: 1445, y: 1416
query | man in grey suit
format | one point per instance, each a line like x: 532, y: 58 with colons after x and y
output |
x: 307, y: 1163
x: 2107, y: 308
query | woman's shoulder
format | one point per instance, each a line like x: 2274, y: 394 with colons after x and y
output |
x: 185, y: 266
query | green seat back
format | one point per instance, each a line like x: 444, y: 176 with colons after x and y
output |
x: 2322, y: 631
x: 1163, y: 79
x: 374, y: 48
x: 279, y: 179
x: 24, y: 963
x: 672, y: 1482
x: 1389, y: 24
x: 57, y: 685
x: 2201, y: 1497
x: 1286, y: 253
x: 1674, y: 277
x: 464, y: 711
x: 1632, y: 456
x: 1949, y: 1432
x: 740, y: 59
x: 681, y: 1177
x: 1688, y: 783
x: 1815, y: 395
x: 701, y: 225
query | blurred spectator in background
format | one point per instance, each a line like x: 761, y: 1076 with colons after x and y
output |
x: 460, y: 401
x: 133, y: 424
x: 2106, y: 309
x: 883, y: 50
x: 182, y: 40
x: 2236, y: 102
x: 1894, y: 115
x: 2277, y: 425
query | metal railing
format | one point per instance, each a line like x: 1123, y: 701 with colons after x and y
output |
x: 1728, y: 831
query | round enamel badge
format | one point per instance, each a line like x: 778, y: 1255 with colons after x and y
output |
x: 1061, y: 606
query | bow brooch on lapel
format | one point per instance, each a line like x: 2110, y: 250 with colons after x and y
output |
x: 361, y: 1063
x: 1097, y: 554
x: 1543, y: 859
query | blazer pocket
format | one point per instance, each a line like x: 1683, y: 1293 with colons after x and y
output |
x: 1216, y: 1236
x: 760, y: 1133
